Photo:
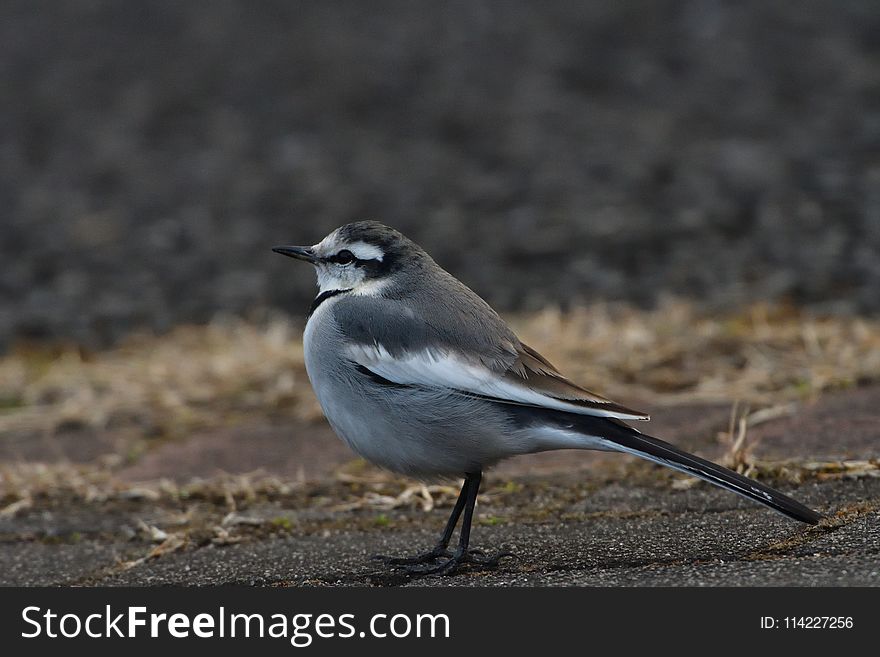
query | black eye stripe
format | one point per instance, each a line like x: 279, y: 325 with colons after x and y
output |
x: 344, y: 257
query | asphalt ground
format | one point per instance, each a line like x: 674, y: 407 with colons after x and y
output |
x: 571, y: 518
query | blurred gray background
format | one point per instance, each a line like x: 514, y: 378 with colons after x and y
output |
x: 544, y: 152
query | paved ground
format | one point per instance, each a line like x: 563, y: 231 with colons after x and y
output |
x: 571, y: 518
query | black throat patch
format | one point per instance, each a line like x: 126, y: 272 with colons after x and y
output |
x: 321, y: 298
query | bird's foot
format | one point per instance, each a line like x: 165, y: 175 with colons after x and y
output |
x: 438, y: 552
x: 437, y: 562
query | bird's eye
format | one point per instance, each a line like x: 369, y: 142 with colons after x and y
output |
x: 345, y: 257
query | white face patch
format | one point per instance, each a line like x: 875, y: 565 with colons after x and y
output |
x: 338, y: 277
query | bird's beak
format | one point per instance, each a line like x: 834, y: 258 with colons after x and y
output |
x: 299, y: 252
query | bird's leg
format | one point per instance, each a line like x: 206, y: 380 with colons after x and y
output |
x: 462, y: 554
x: 439, y: 550
x: 466, y: 502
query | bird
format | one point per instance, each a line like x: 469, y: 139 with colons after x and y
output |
x: 420, y: 376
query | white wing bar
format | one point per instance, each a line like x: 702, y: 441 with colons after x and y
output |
x: 446, y: 370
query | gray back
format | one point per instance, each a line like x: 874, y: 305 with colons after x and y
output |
x: 424, y: 307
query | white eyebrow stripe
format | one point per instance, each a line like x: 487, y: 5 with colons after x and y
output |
x: 364, y: 251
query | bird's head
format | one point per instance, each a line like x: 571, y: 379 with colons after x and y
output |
x: 362, y: 257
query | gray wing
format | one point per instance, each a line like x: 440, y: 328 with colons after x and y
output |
x: 463, y: 346
x: 456, y: 321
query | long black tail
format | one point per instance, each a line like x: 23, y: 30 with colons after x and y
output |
x: 624, y: 438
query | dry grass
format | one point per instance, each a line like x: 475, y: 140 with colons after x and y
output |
x: 26, y: 485
x: 762, y: 356
x: 22, y: 483
x: 195, y: 376
x: 215, y: 375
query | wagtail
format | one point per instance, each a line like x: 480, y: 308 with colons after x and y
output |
x: 419, y: 375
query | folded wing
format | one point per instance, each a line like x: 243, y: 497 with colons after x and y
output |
x: 529, y: 380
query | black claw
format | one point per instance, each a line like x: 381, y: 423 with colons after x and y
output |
x: 489, y: 561
x: 426, y: 564
x: 426, y: 557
